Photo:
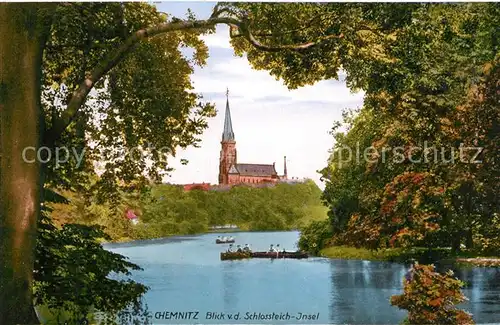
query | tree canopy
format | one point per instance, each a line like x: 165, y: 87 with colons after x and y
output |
x: 109, y: 78
x: 137, y: 115
x: 426, y: 168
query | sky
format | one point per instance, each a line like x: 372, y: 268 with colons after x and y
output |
x: 269, y: 121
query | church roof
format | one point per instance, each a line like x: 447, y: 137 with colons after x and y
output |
x: 256, y: 170
x: 228, y: 134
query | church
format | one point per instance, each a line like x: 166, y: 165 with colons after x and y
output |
x: 231, y: 172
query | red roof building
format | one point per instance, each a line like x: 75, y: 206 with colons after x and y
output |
x: 132, y: 217
x: 197, y: 186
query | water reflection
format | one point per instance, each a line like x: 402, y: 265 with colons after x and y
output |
x: 482, y: 289
x: 187, y: 274
x: 230, y: 284
x: 361, y: 290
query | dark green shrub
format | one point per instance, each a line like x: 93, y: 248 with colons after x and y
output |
x: 314, y: 236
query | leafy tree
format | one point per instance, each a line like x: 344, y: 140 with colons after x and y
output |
x: 436, y: 66
x: 53, y: 55
x: 430, y: 298
x: 412, y: 60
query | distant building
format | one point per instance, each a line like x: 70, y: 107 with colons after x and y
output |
x: 197, y: 186
x: 231, y: 172
x: 132, y: 217
x: 294, y: 180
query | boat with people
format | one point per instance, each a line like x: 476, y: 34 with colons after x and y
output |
x: 225, y: 240
x: 297, y: 255
x: 243, y: 255
x: 246, y: 252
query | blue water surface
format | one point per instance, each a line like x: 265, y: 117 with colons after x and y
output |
x: 185, y: 274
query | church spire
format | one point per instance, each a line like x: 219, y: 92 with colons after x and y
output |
x: 228, y: 134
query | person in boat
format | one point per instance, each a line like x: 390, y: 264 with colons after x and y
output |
x: 224, y: 238
x: 230, y: 238
x: 277, y: 249
x: 271, y: 249
x: 246, y: 248
x: 239, y: 250
x: 230, y: 248
x: 219, y: 238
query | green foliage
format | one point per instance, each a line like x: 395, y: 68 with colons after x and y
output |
x: 72, y: 272
x: 430, y: 298
x: 142, y: 111
x: 487, y: 239
x: 400, y: 255
x: 314, y: 237
x: 430, y: 76
x: 349, y: 252
x: 171, y: 210
x: 84, y: 209
x: 429, y: 73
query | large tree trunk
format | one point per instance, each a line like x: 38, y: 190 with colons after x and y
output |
x: 20, y: 183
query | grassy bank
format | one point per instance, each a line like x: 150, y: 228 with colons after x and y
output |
x: 422, y: 255
x: 353, y: 253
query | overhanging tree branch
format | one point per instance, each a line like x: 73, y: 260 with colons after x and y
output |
x: 80, y: 94
x: 293, y: 47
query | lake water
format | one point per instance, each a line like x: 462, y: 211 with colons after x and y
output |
x: 185, y: 274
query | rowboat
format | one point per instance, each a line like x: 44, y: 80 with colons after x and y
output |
x: 296, y: 255
x: 218, y: 241
x: 242, y: 255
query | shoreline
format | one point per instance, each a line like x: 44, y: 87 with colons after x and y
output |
x: 403, y: 256
x: 125, y: 240
x: 480, y: 261
x: 396, y: 255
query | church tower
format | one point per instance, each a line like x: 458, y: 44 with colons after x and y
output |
x: 228, y: 151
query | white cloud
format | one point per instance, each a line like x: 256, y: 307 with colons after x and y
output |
x: 219, y: 39
x: 253, y: 84
x: 269, y: 120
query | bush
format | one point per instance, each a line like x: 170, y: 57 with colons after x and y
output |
x: 314, y: 237
x: 430, y: 298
